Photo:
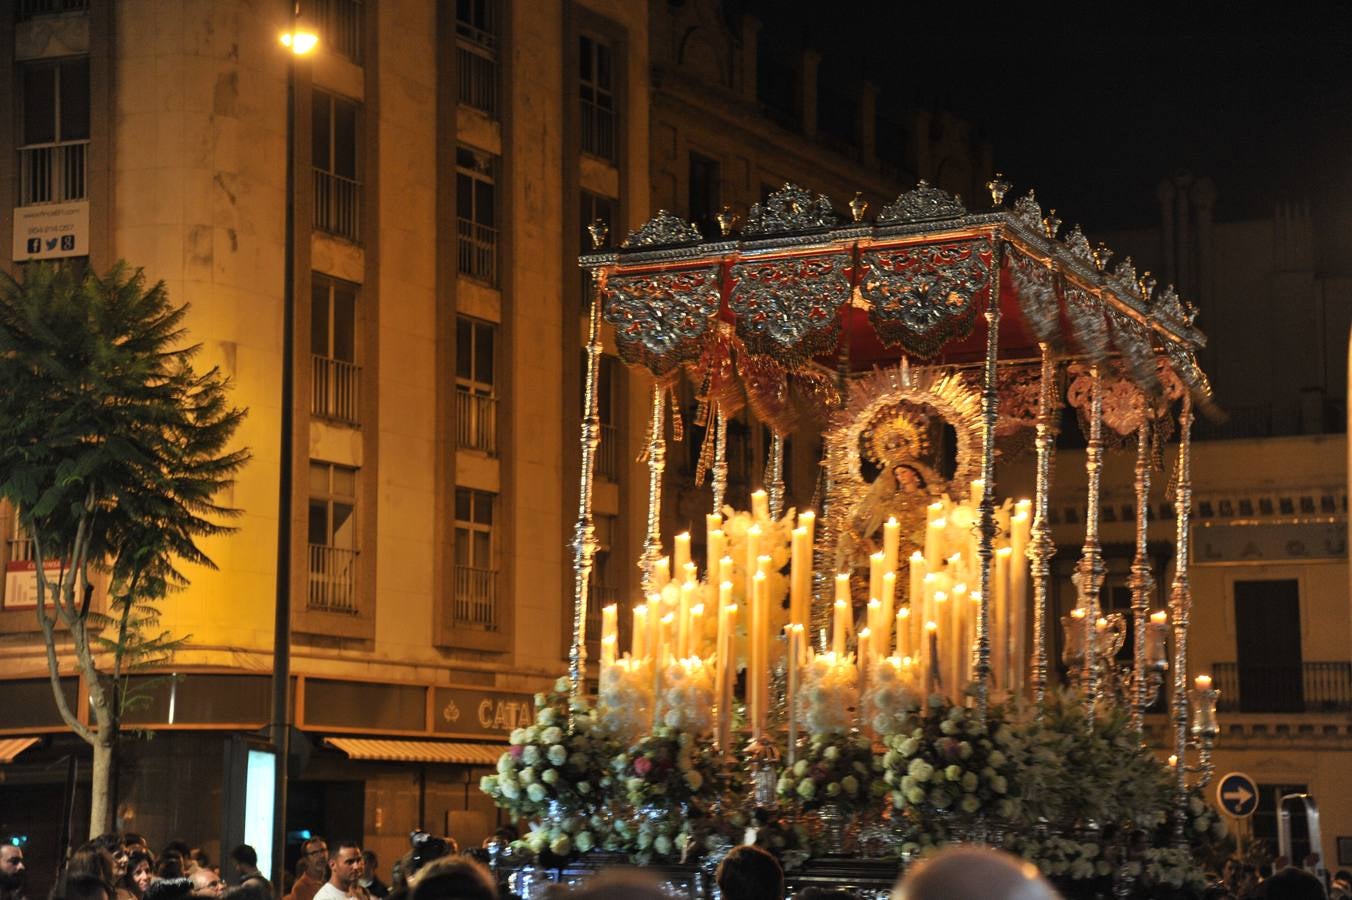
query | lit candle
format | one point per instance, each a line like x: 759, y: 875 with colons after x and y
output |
x: 800, y: 575
x: 690, y: 573
x: 661, y: 573
x: 862, y: 658
x: 891, y: 543
x: 753, y: 553
x: 934, y: 543
x: 610, y: 631
x: 683, y: 620
x: 713, y: 543
x: 792, y: 661
x: 978, y: 492
x: 760, y: 506
x: 875, y: 573
x: 1203, y: 682
x: 999, y: 621
x: 1157, y: 633
x: 903, y: 645
x: 639, y: 636
x: 725, y: 671
x: 841, y: 620
x: 654, y: 618
x: 695, y: 645
x: 758, y: 672
x: 681, y: 552
x: 875, y: 609
x: 883, y: 633
x: 934, y: 511
x: 1173, y: 760
x: 725, y: 566
x: 931, y: 656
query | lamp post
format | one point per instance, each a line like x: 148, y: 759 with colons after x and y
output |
x: 298, y: 42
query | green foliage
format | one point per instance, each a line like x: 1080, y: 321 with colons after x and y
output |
x: 113, y: 450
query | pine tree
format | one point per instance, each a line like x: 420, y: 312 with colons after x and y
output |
x: 112, y: 450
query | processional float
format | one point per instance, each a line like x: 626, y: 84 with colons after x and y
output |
x: 925, y: 343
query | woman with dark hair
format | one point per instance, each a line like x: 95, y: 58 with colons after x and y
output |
x: 140, y: 873
x: 91, y: 859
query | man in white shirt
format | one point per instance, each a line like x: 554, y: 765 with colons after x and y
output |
x: 345, y: 867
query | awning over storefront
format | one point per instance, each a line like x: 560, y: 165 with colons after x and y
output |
x: 13, y: 746
x: 455, y: 752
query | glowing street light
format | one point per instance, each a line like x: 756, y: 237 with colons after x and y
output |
x: 299, y: 41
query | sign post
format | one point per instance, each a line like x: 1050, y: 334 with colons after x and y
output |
x: 1237, y: 794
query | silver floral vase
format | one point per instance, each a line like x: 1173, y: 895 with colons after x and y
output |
x: 837, y: 828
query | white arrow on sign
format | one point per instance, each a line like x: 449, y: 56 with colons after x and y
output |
x: 1239, y: 794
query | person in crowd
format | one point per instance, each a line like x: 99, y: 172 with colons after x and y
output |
x: 369, y: 879
x: 205, y: 882
x: 169, y: 889
x: 973, y: 873
x: 169, y: 868
x: 13, y: 875
x: 82, y: 886
x: 1341, y: 888
x: 1293, y: 884
x: 245, y: 859
x: 315, y: 854
x: 749, y: 872
x: 92, y: 859
x: 132, y: 841
x: 454, y: 878
x: 181, y: 851
x: 345, y: 867
x: 140, y: 872
x: 249, y: 890
x: 1248, y: 883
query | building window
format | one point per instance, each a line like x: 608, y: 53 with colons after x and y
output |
x: 476, y: 54
x: 1271, y: 673
x: 339, y: 23
x: 597, y: 82
x: 30, y: 8
x: 333, y: 537
x: 476, y: 400
x: 476, y: 194
x: 333, y: 349
x: 706, y: 195
x: 336, y: 138
x: 476, y: 577
x: 55, y: 131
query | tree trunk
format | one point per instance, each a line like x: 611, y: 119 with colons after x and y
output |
x: 100, y: 809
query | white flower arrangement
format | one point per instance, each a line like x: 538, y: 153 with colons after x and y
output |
x: 688, y: 696
x: 829, y: 694
x: 890, y: 699
x: 625, y: 700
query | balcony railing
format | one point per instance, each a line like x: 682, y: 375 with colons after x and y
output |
x: 598, y: 130
x: 476, y: 598
x: 30, y: 8
x: 1310, y: 687
x: 476, y: 421
x: 340, y: 26
x: 20, y: 549
x: 338, y: 205
x: 334, y: 389
x: 478, y: 256
x: 52, y: 173
x: 333, y: 579
x: 608, y: 453
x: 476, y: 69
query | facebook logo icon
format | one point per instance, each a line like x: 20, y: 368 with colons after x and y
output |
x: 35, y: 245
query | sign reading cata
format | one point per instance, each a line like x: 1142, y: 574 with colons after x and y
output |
x: 480, y: 711
x: 51, y: 231
x: 1222, y: 545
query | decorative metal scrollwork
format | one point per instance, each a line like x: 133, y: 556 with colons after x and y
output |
x: 924, y: 203
x: 1088, y: 327
x: 790, y: 306
x: 1020, y: 388
x: 790, y: 208
x: 661, y: 318
x: 1035, y: 287
x: 1124, y: 278
x: 1078, y: 246
x: 925, y: 296
x: 665, y: 229
x: 1132, y: 340
x: 1029, y: 212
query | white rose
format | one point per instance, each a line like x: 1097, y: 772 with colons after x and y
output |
x: 536, y: 792
x: 558, y: 754
x: 531, y: 756
x: 549, y: 776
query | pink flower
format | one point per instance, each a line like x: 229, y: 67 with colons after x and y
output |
x: 642, y: 766
x: 516, y: 750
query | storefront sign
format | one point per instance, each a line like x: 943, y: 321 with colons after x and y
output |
x: 51, y: 231
x: 1220, y: 545
x: 480, y: 712
x: 21, y: 582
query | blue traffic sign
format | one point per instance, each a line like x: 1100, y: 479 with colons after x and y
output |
x: 1237, y: 795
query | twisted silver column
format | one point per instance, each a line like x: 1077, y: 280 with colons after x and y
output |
x: 1180, y: 608
x: 657, y: 463
x: 1142, y: 582
x: 1041, y: 547
x: 990, y: 411
x: 1091, y: 570
x: 774, y: 475
x: 720, y: 467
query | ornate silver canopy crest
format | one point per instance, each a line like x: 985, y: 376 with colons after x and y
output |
x: 790, y: 208
x: 922, y: 204
x: 665, y: 229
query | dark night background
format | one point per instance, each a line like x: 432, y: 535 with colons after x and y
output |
x: 1093, y: 104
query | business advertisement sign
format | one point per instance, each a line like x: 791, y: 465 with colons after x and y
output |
x: 21, y: 582
x: 51, y: 230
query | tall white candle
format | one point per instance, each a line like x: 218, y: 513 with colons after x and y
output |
x: 753, y: 552
x: 680, y: 553
x: 891, y: 543
x: 714, y: 541
x: 760, y: 506
x: 758, y: 670
x: 725, y: 568
x: 791, y: 664
x: 875, y: 609
x: 638, y: 637
x: 999, y: 630
x: 903, y: 644
x: 695, y: 644
x: 800, y: 574
x: 610, y: 632
x: 840, y: 626
x: 934, y: 543
x: 661, y: 573
x: 875, y: 573
x: 883, y: 633
x: 683, y: 620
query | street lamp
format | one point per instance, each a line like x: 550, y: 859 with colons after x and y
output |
x: 300, y: 42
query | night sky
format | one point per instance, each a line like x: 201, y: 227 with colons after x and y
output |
x: 1094, y: 104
